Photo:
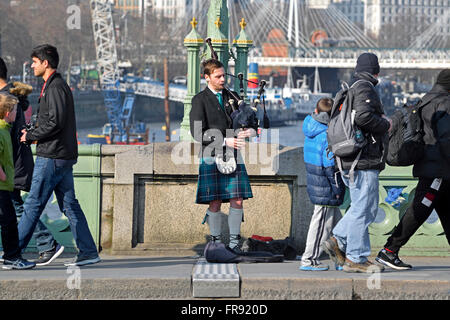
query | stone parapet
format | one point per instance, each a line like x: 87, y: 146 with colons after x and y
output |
x: 148, y: 197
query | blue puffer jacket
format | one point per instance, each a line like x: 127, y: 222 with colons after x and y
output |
x: 320, y: 171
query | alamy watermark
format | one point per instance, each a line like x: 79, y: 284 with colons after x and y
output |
x: 74, y: 279
x: 374, y: 280
x: 264, y: 155
x: 73, y: 22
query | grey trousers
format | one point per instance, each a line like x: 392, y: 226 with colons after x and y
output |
x: 322, y: 223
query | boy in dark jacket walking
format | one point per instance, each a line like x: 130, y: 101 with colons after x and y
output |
x: 325, y: 188
x: 433, y: 171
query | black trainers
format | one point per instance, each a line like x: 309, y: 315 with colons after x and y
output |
x: 48, y: 257
x: 18, y: 264
x: 392, y: 260
x: 82, y: 261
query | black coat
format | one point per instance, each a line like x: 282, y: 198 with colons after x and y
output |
x: 436, y: 125
x: 22, y: 154
x: 368, y: 117
x: 55, y: 130
x: 213, y: 124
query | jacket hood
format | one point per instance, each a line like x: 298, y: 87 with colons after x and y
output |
x: 313, y: 127
x: 363, y: 76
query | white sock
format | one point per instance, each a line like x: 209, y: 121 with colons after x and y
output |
x: 215, y: 222
x: 234, y: 220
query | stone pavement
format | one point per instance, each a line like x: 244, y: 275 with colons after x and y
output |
x: 130, y: 277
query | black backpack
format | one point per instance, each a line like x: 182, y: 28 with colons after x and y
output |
x: 217, y: 252
x: 406, y: 145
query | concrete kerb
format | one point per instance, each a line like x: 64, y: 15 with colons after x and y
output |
x: 172, y: 278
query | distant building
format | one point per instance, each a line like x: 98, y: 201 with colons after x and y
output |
x: 373, y: 14
x: 172, y: 9
x: 135, y: 7
x: 422, y: 13
x: 354, y: 10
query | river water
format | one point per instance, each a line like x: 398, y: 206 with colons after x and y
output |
x: 291, y: 135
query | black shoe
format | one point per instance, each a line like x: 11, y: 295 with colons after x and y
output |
x: 392, y: 260
x: 18, y: 264
x: 47, y: 257
x: 215, y: 238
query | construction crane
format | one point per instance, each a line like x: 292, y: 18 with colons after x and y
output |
x: 118, y: 128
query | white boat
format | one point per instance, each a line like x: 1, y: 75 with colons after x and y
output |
x: 304, y: 101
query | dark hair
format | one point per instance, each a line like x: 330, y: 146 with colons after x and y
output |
x: 3, y: 70
x: 210, y: 65
x: 325, y: 105
x: 46, y: 52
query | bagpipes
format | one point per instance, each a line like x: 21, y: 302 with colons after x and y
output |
x: 244, y: 116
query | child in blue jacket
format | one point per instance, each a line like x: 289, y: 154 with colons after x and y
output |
x: 324, y: 185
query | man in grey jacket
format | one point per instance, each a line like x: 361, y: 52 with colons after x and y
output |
x: 433, y: 170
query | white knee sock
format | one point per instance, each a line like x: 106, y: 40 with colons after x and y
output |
x: 234, y: 220
x: 215, y: 223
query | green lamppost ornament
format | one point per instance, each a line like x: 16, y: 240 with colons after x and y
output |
x: 242, y: 44
x: 192, y: 42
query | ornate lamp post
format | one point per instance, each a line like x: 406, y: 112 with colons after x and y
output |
x: 242, y: 45
x: 218, y: 24
x: 192, y: 42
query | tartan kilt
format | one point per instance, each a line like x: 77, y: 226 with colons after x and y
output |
x: 213, y: 185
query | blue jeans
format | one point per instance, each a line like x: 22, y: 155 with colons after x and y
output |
x: 44, y: 238
x: 352, y: 231
x: 49, y: 177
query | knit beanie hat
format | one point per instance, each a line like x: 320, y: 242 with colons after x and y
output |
x: 444, y: 79
x: 367, y: 62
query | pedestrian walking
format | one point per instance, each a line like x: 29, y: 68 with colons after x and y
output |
x: 56, y: 153
x: 12, y: 258
x: 46, y: 244
x: 433, y: 170
x: 350, y: 244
